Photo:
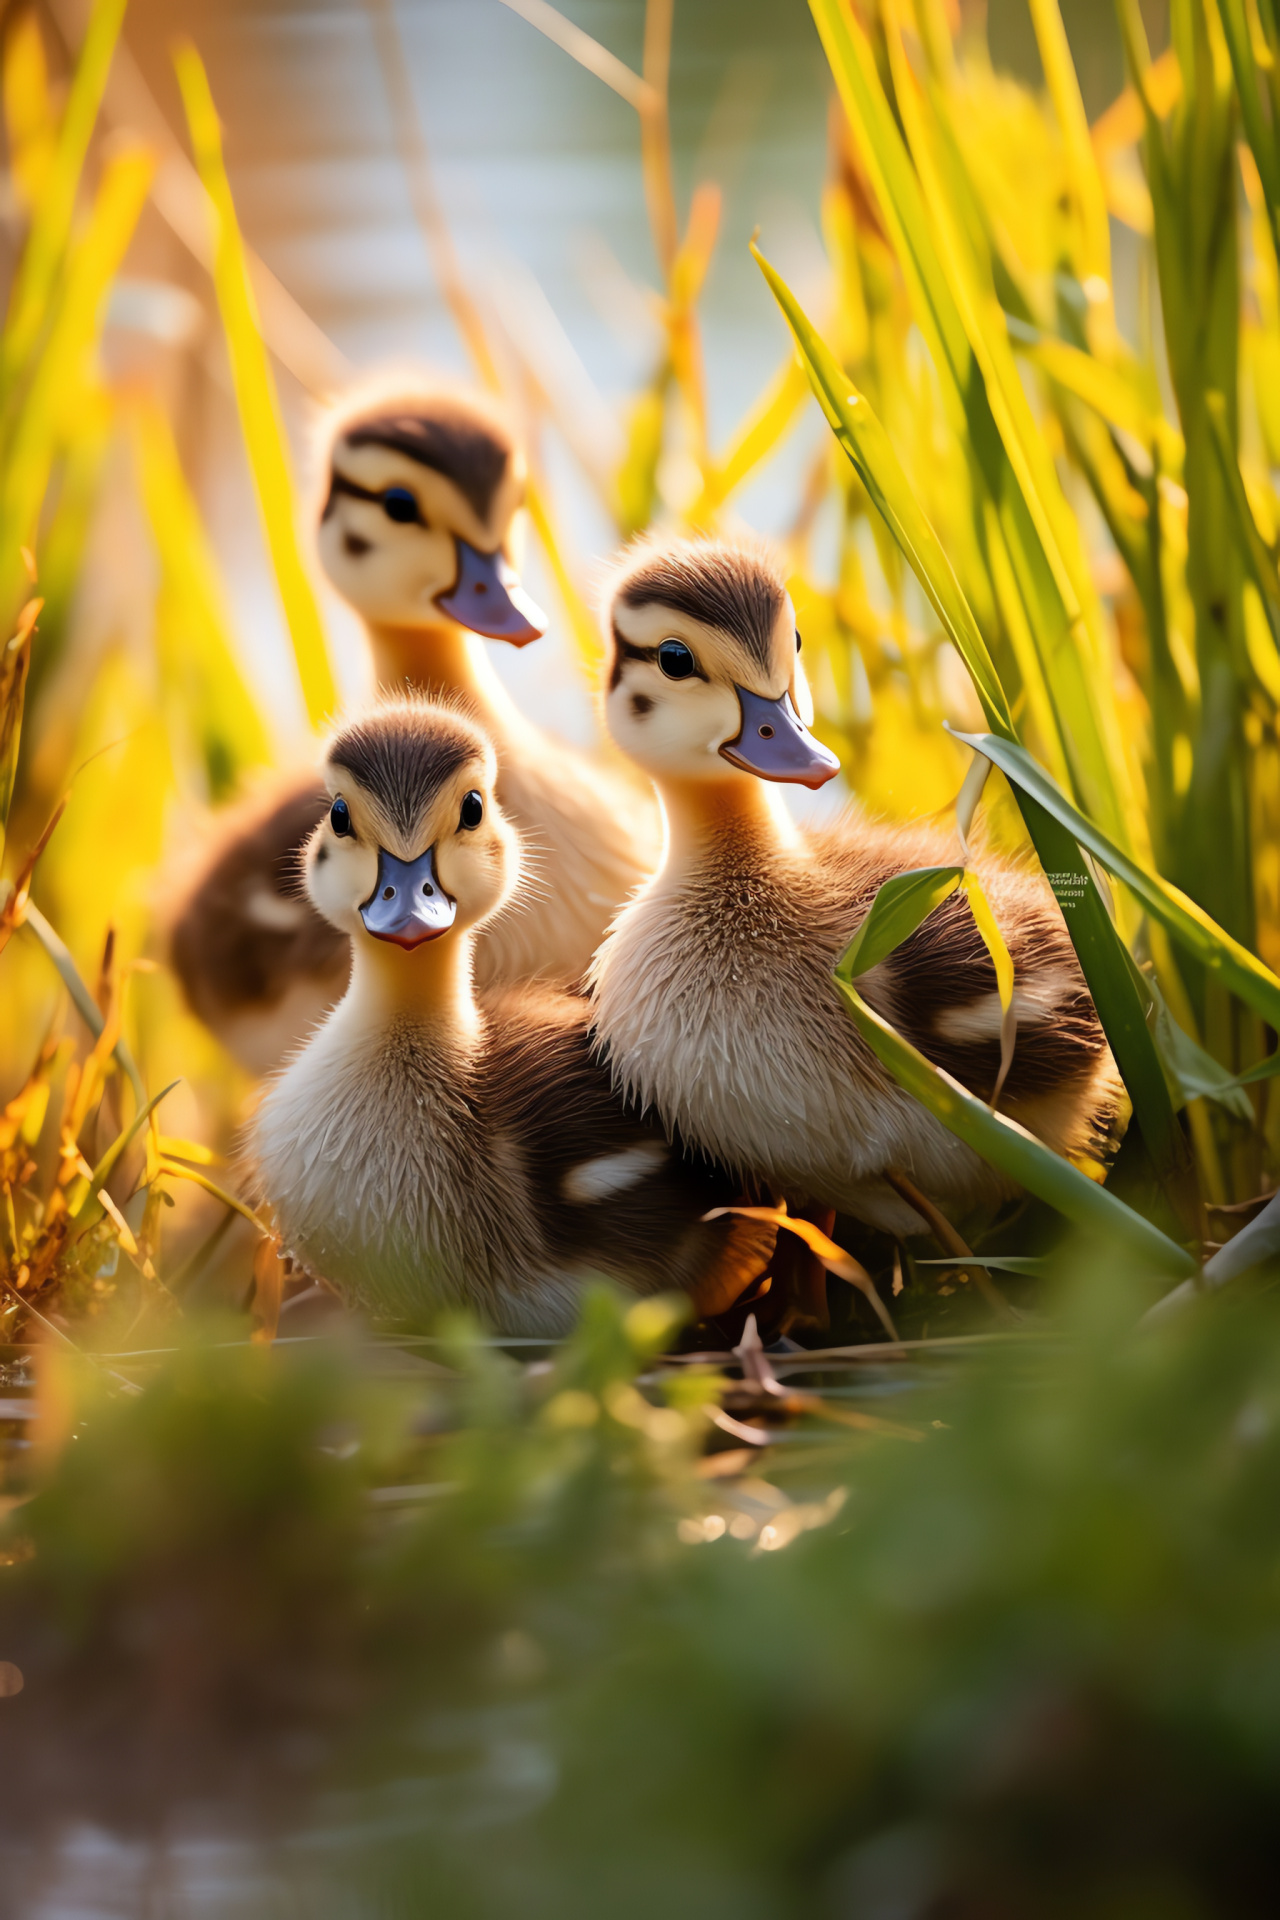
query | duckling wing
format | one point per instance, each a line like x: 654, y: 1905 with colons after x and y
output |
x: 611, y: 1192
x: 255, y: 960
x: 939, y: 989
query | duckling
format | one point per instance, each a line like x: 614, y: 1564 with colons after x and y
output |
x: 420, y: 491
x: 714, y: 1000
x: 437, y: 1145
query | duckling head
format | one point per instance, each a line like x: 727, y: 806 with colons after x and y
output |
x: 704, y: 669
x: 414, y: 847
x: 421, y: 493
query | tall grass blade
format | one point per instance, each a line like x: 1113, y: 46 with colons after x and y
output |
x: 871, y: 454
x: 1224, y: 958
x: 54, y: 391
x: 81, y: 998
x: 1102, y: 955
x: 260, y: 418
x: 46, y: 246
x: 196, y: 652
x: 1011, y: 1149
x: 15, y: 662
x: 1085, y: 176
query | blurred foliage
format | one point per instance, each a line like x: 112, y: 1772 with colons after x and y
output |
x: 477, y: 1638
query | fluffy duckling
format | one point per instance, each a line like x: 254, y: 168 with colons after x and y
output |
x: 714, y: 998
x: 432, y: 1145
x: 420, y: 492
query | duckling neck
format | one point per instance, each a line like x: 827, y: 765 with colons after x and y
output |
x: 441, y: 659
x: 703, y: 817
x: 429, y: 987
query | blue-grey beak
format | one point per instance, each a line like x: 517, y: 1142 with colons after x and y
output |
x: 487, y: 598
x: 408, y: 905
x: 775, y: 743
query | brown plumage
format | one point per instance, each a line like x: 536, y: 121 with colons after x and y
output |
x: 435, y: 1146
x: 715, y: 1002
x: 257, y: 962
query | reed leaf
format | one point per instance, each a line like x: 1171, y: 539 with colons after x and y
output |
x: 91, y: 1211
x: 1101, y: 952
x: 969, y: 349
x: 59, y: 376
x: 44, y: 253
x: 871, y: 454
x: 81, y: 998
x: 900, y: 906
x: 193, y: 629
x: 1224, y: 958
x: 1012, y: 1150
x: 260, y: 418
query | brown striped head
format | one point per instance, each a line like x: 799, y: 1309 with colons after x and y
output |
x: 703, y: 677
x: 414, y: 845
x: 422, y: 488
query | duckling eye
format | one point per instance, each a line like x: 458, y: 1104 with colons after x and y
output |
x: 340, y: 820
x: 798, y: 642
x: 676, y: 660
x: 399, y: 504
x: 472, y: 810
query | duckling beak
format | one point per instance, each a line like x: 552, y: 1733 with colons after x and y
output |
x: 487, y: 598
x: 775, y: 744
x: 408, y: 905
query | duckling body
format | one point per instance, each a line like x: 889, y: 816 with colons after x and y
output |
x: 421, y: 492
x: 434, y: 1145
x: 714, y: 998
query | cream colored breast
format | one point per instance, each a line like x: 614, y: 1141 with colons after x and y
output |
x: 379, y: 1176
x: 729, y: 1026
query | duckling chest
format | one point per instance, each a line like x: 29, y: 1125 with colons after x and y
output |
x: 372, y: 1143
x: 716, y: 1006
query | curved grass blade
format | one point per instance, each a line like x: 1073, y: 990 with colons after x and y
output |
x: 198, y: 1179
x: 92, y: 1209
x: 901, y: 905
x: 1190, y: 925
x: 83, y: 1001
x: 877, y: 465
x: 1011, y: 1149
x: 1029, y: 1263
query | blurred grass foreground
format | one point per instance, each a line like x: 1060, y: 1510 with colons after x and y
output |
x: 983, y: 1624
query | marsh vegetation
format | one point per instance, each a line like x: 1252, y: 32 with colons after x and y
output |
x: 964, y: 1606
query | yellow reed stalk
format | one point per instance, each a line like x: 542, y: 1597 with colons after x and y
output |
x: 256, y: 398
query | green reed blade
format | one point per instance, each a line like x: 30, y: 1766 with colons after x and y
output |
x: 1101, y: 952
x: 1229, y: 962
x: 1011, y: 1149
x: 900, y: 906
